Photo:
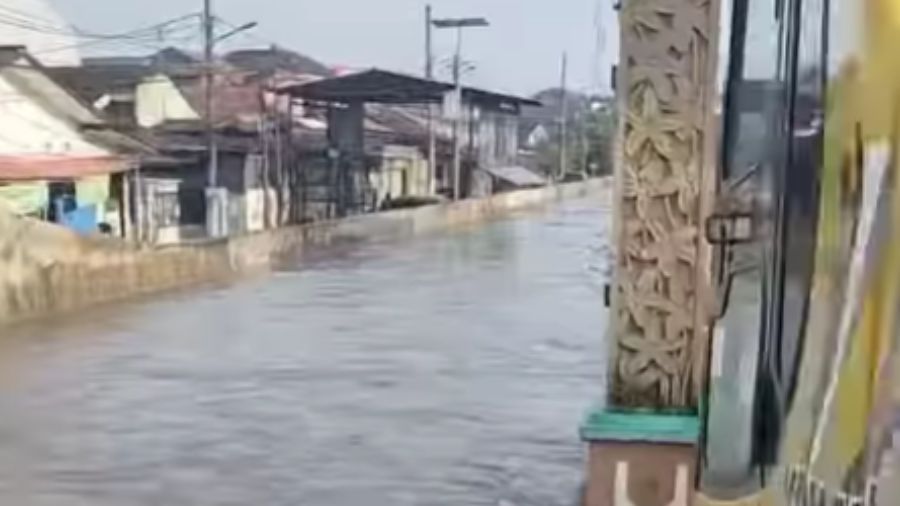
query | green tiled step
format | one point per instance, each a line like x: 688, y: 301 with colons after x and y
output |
x: 640, y: 426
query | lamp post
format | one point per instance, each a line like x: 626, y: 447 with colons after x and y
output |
x: 429, y: 74
x: 214, y: 209
x: 459, y: 24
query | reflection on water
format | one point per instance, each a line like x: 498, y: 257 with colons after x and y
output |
x: 447, y: 370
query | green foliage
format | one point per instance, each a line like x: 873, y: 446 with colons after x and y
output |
x: 589, y: 146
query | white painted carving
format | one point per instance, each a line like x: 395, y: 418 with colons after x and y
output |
x: 681, y: 496
x: 621, y: 494
x: 682, y: 487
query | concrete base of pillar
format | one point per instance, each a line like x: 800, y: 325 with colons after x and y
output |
x: 641, y: 459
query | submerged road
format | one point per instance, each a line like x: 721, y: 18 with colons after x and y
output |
x: 444, y: 370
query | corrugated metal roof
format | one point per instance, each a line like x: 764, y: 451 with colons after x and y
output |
x: 519, y: 176
x: 382, y: 86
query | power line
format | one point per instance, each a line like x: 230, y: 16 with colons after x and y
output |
x: 137, y: 36
x: 27, y: 18
x: 138, y: 33
x: 22, y: 13
x: 131, y: 43
x: 27, y: 25
x: 145, y: 32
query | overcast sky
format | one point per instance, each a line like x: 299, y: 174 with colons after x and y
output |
x: 520, y: 52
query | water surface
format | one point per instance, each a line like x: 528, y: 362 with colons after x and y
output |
x: 445, y: 370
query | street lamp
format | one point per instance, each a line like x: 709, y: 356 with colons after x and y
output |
x: 243, y: 28
x: 459, y: 24
x: 214, y: 204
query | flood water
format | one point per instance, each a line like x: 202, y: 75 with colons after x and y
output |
x: 444, y: 370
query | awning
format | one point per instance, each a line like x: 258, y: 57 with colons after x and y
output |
x: 58, y: 167
x: 382, y: 86
x: 372, y: 86
x: 519, y: 176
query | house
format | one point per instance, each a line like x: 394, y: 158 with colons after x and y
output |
x: 590, y: 126
x: 536, y: 135
x: 161, y: 99
x: 109, y: 84
x: 58, y: 160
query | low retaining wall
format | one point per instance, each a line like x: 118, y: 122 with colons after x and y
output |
x: 45, y: 269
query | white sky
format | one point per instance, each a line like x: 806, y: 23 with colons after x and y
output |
x: 520, y: 52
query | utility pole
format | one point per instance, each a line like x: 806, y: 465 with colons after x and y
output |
x: 457, y: 119
x: 459, y: 24
x: 212, y: 200
x: 429, y: 74
x: 429, y: 54
x: 563, y: 118
x: 208, y: 42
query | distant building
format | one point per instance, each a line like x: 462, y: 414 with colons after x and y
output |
x: 281, y: 155
x: 58, y: 160
x: 161, y: 99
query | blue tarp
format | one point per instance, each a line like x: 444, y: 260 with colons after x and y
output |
x: 80, y: 219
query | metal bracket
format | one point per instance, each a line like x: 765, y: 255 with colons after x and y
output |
x: 733, y: 222
x: 730, y: 228
x: 734, y: 219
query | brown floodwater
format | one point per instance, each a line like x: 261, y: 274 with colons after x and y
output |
x: 445, y: 370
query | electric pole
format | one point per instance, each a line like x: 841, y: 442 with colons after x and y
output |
x: 563, y: 118
x: 429, y: 74
x: 458, y: 24
x: 208, y: 42
x: 213, y: 221
x: 429, y: 54
x: 457, y: 120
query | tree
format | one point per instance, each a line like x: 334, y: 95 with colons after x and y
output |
x: 591, y: 127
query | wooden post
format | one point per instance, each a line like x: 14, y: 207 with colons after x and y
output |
x: 665, y: 173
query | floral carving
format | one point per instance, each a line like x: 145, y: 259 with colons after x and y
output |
x: 666, y: 56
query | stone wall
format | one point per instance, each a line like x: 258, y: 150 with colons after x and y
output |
x: 45, y: 269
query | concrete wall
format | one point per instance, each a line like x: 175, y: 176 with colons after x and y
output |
x: 45, y: 269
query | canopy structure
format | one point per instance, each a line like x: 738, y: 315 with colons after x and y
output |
x: 382, y: 86
x: 517, y: 176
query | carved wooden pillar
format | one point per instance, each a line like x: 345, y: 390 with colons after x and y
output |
x: 666, y: 172
x: 643, y: 443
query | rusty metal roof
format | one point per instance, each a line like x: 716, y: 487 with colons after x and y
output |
x: 58, y: 167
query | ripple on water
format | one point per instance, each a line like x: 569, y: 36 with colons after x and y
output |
x: 445, y: 370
